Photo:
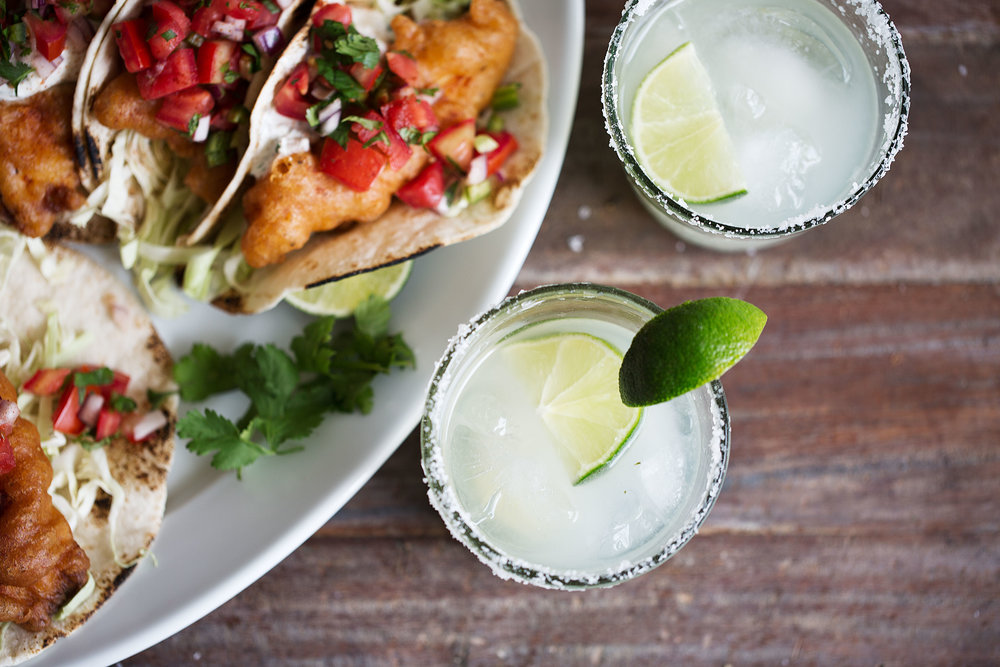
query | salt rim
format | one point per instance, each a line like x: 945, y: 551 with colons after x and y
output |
x: 880, y: 30
x: 442, y: 495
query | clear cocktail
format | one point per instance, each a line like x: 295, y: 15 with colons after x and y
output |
x: 814, y: 95
x: 497, y: 450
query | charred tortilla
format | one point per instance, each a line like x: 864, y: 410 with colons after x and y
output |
x: 88, y: 298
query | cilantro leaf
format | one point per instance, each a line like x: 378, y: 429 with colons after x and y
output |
x: 289, y: 394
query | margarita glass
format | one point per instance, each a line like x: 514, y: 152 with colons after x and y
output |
x: 496, y: 476
x: 813, y: 93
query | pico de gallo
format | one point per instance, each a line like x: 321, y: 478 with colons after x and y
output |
x: 198, y: 57
x: 92, y: 405
x: 371, y: 116
x: 34, y: 35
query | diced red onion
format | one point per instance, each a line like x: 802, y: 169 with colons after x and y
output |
x: 321, y: 90
x: 90, y: 409
x: 217, y: 89
x: 284, y: 4
x: 268, y: 40
x: 230, y: 29
x: 148, y: 424
x: 329, y: 117
x: 43, y: 67
x: 477, y: 170
x: 201, y: 130
x: 9, y: 412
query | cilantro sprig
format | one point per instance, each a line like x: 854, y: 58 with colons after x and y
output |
x: 329, y: 369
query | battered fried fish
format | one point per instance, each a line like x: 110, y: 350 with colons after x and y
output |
x: 465, y: 59
x: 39, y: 183
x: 121, y: 107
x: 41, y: 566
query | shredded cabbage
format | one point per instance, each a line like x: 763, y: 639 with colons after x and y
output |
x: 146, y: 196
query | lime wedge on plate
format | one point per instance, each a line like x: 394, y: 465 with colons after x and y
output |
x: 679, y: 136
x: 341, y: 297
x: 686, y: 346
x: 573, y: 378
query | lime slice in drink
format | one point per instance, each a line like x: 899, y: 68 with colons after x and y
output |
x: 341, y: 297
x: 686, y: 346
x: 573, y: 378
x: 679, y: 136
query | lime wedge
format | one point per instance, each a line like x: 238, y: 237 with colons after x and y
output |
x: 341, y: 297
x: 679, y: 136
x: 573, y: 379
x: 686, y: 346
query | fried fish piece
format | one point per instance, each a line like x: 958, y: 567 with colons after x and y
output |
x: 120, y: 107
x: 465, y: 59
x: 41, y: 565
x: 39, y: 182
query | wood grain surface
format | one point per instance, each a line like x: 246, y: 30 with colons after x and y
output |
x: 860, y: 519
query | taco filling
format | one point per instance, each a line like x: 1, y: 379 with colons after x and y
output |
x: 42, y: 47
x: 186, y: 80
x: 381, y: 122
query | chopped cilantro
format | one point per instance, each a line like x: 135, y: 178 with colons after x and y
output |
x: 168, y: 35
x: 193, y: 124
x: 328, y: 370
x: 506, y: 97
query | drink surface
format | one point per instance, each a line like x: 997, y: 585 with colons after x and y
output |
x: 795, y: 89
x: 514, y: 486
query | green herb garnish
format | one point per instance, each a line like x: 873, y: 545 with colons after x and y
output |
x: 290, y: 394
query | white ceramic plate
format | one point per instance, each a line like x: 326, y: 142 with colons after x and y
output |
x: 219, y: 534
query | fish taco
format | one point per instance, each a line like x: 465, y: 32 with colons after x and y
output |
x: 162, y: 116
x: 43, y: 49
x: 84, y: 453
x: 426, y: 143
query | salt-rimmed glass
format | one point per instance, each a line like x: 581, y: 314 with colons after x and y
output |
x: 631, y: 52
x: 562, y: 308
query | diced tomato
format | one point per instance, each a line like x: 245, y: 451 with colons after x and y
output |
x: 495, y: 159
x: 48, y: 35
x: 426, y: 190
x: 181, y: 108
x: 119, y: 384
x: 366, y: 76
x: 131, y: 38
x: 177, y: 72
x: 290, y: 99
x: 404, y: 66
x: 204, y: 18
x: 216, y: 59
x: 47, y: 381
x: 409, y: 112
x: 7, y: 461
x: 455, y: 145
x: 356, y: 167
x: 390, y: 143
x: 253, y: 12
x: 172, y: 27
x: 65, y: 419
x: 335, y: 12
x: 108, y: 421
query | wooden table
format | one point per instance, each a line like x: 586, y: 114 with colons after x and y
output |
x: 860, y: 516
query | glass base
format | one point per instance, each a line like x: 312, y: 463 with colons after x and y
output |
x: 704, y: 238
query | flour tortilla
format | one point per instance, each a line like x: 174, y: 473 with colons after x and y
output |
x: 402, y: 232
x: 90, y: 299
